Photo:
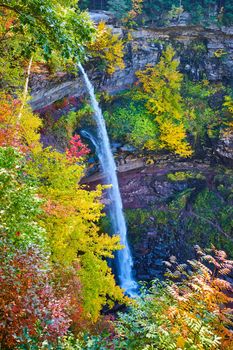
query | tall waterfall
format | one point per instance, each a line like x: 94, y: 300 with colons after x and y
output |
x: 103, y: 149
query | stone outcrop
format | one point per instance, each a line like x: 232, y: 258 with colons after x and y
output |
x: 224, y: 148
x: 203, y: 52
x: 147, y: 192
x: 143, y: 186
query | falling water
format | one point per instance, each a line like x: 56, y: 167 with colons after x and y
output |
x: 103, y: 149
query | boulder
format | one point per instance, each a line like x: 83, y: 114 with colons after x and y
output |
x: 224, y: 147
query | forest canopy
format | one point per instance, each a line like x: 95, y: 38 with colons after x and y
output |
x: 160, y: 12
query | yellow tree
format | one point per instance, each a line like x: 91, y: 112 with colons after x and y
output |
x: 108, y: 47
x: 71, y: 216
x: 161, y: 89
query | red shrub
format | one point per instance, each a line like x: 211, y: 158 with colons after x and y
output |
x: 27, y: 300
x: 77, y: 149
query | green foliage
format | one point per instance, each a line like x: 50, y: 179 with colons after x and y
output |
x: 119, y: 8
x: 51, y: 25
x: 35, y: 28
x: 149, y: 324
x: 190, y: 207
x: 161, y: 12
x: 20, y: 205
x: 131, y: 124
x: 182, y: 176
x: 187, y: 312
x: 202, y: 119
x: 215, y: 213
x: 156, y: 331
x: 204, y: 12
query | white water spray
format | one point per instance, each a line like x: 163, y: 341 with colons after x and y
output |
x: 103, y: 149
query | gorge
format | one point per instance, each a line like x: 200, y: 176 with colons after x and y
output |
x: 116, y: 175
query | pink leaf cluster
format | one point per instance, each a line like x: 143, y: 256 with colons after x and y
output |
x: 76, y: 149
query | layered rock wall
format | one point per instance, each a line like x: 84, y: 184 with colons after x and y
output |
x: 203, y: 53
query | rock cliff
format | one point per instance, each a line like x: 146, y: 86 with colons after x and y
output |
x: 170, y: 206
x: 203, y: 53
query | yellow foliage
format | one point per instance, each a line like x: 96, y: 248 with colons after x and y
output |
x: 29, y: 125
x: 220, y: 53
x: 22, y: 132
x: 173, y: 138
x: 107, y: 47
x: 71, y: 215
x: 180, y: 342
x: 229, y: 104
x: 150, y: 145
x: 161, y: 90
x: 202, y: 293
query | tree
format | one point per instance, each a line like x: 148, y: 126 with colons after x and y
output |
x: 76, y: 149
x: 160, y: 88
x: 132, y: 124
x: 71, y: 216
x: 20, y: 205
x: 50, y: 25
x: 202, y: 119
x: 228, y: 104
x: 19, y: 126
x: 40, y: 28
x: 107, y: 47
x: 119, y: 8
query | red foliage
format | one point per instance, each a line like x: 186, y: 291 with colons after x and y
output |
x: 77, y: 149
x: 27, y: 300
x: 7, y: 108
x: 63, y: 103
x: 9, y: 130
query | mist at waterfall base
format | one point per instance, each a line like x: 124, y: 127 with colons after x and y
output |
x: 104, y: 153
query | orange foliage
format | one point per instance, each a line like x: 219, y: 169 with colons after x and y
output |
x: 21, y: 133
x: 203, y: 293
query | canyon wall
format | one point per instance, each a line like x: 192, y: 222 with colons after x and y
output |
x: 203, y: 53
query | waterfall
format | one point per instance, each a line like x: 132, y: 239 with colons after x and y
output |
x: 103, y: 149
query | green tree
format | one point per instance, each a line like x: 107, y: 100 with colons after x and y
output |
x: 119, y: 8
x: 31, y: 28
x: 202, y: 120
x: 20, y: 205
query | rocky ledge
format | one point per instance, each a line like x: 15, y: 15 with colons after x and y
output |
x: 203, y: 53
x: 167, y: 205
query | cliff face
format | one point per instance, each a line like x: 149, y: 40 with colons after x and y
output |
x: 203, y: 53
x: 172, y: 205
